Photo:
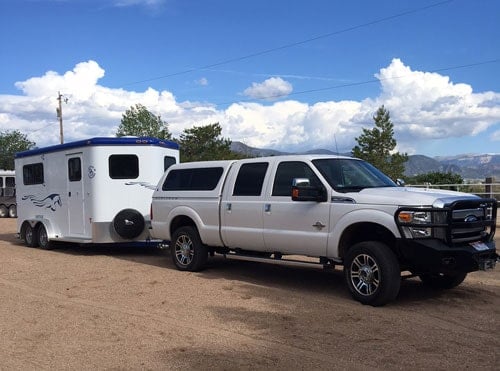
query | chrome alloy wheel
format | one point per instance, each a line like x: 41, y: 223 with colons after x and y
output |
x: 365, y: 274
x: 184, y: 250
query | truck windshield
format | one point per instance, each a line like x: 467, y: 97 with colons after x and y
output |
x: 350, y: 175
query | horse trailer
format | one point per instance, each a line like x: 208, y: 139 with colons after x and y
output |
x: 92, y: 191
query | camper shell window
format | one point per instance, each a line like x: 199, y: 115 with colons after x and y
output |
x: 74, y: 169
x: 196, y: 179
x: 168, y: 161
x: 123, y: 167
x: 33, y: 174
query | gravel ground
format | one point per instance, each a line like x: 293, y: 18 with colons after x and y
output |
x: 108, y: 308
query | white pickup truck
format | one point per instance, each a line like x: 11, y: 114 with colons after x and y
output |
x: 339, y: 210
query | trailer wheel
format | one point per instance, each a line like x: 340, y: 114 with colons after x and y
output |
x: 3, y: 211
x: 13, y: 211
x: 29, y: 236
x: 187, y: 251
x: 129, y: 223
x: 43, y: 238
x: 372, y: 273
x: 443, y: 280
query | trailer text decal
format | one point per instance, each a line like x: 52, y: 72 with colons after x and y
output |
x: 50, y: 202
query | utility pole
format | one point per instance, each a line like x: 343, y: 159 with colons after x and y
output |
x: 60, y: 98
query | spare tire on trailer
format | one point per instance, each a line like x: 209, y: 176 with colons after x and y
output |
x: 129, y: 223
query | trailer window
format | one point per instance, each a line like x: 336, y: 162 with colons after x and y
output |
x: 168, y: 161
x: 250, y: 179
x: 123, y: 166
x: 10, y: 181
x: 74, y: 169
x: 199, y: 179
x: 33, y: 174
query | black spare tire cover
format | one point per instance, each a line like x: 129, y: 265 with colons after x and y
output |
x: 128, y: 223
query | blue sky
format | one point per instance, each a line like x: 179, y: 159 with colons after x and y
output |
x: 290, y: 75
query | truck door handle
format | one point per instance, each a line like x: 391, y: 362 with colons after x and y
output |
x: 228, y: 207
x: 267, y: 208
x: 319, y: 225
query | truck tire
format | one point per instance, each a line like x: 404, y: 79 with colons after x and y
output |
x: 13, y: 211
x: 443, y: 280
x: 187, y: 251
x: 3, y: 211
x: 29, y: 236
x: 43, y: 238
x: 372, y: 273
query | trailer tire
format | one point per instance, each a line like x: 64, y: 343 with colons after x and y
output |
x: 3, y: 211
x: 187, y: 251
x: 28, y: 234
x: 43, y: 238
x: 372, y: 273
x: 129, y: 223
x: 13, y: 211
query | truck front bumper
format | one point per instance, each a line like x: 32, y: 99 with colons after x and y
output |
x: 432, y: 255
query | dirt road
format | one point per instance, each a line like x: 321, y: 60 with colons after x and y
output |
x: 103, y: 308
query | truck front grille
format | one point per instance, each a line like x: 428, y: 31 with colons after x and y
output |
x: 471, y: 220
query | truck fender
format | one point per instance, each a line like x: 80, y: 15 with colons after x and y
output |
x: 209, y: 234
x: 370, y: 216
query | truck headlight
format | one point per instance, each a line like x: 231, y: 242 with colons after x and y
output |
x: 416, y: 224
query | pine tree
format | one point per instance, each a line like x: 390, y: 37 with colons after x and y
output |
x: 376, y: 146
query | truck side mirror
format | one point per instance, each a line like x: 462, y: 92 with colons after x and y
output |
x: 303, y: 191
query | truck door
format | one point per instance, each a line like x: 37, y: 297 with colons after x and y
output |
x: 242, y: 207
x: 76, y: 209
x: 295, y: 227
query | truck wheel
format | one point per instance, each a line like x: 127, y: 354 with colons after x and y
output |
x: 43, y: 238
x: 29, y: 236
x: 3, y: 211
x: 187, y: 251
x: 443, y: 280
x: 372, y: 273
x: 13, y: 211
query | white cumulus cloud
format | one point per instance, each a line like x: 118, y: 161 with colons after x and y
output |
x: 423, y: 106
x: 270, y: 89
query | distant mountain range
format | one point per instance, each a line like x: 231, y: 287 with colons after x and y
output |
x: 468, y: 166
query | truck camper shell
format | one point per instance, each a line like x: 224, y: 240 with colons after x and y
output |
x: 96, y: 190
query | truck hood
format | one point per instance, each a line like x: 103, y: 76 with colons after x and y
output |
x: 408, y: 196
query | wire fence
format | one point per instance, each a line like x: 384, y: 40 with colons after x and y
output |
x: 486, y: 189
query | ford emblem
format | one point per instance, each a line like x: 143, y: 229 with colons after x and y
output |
x: 471, y: 219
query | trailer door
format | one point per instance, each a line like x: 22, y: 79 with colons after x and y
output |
x: 76, y: 209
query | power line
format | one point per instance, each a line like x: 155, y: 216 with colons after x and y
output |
x: 358, y: 83
x: 293, y: 44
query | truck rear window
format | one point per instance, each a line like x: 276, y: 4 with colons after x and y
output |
x: 195, y: 179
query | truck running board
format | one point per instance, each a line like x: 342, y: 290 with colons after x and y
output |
x: 326, y: 264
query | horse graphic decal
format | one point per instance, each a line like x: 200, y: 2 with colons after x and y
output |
x: 50, y: 202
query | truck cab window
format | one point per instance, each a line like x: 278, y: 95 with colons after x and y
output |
x: 250, y: 179
x: 123, y: 167
x: 74, y: 169
x: 287, y: 171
